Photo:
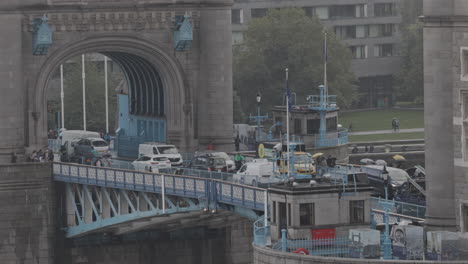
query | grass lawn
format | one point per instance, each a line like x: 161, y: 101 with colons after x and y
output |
x: 391, y: 136
x: 381, y: 119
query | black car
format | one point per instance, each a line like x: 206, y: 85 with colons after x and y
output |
x: 208, y: 163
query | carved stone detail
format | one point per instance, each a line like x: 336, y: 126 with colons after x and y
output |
x: 111, y: 21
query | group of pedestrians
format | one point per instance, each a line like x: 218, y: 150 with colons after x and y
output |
x: 367, y: 148
x: 41, y: 156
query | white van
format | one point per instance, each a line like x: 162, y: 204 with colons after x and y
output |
x: 162, y: 149
x: 69, y: 137
x: 257, y: 171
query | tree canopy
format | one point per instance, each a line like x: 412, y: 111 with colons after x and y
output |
x: 288, y: 38
x: 410, y: 79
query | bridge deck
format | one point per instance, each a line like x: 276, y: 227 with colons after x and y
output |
x: 131, y: 195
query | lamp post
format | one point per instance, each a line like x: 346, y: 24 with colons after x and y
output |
x: 259, y: 100
x: 258, y: 118
x: 387, y: 243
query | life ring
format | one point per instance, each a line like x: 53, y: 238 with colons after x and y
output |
x: 301, y: 251
x: 261, y: 151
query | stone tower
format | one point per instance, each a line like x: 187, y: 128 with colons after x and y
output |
x: 198, y: 84
x: 446, y: 113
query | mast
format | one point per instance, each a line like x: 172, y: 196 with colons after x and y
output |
x: 325, y: 66
x: 287, y: 120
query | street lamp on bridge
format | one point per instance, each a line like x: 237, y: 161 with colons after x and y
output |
x: 258, y: 118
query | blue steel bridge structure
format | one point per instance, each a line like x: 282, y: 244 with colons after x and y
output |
x: 97, y: 199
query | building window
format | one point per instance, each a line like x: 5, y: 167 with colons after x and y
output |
x: 313, y: 126
x: 237, y: 37
x: 282, y: 217
x: 383, y: 50
x: 307, y: 214
x: 259, y: 12
x: 345, y: 32
x: 331, y: 124
x: 289, y: 214
x: 464, y: 63
x: 319, y: 11
x: 465, y: 217
x: 359, y: 52
x: 381, y: 30
x: 465, y: 125
x: 361, y: 10
x: 342, y: 11
x: 273, y: 213
x: 237, y: 16
x: 384, y: 9
x: 362, y: 31
x: 356, y: 212
x: 297, y: 126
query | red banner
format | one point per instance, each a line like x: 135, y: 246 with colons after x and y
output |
x: 325, y: 233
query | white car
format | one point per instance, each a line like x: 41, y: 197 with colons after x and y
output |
x: 151, y: 163
x: 161, y: 149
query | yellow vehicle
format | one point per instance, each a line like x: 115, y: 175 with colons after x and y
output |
x: 303, y: 164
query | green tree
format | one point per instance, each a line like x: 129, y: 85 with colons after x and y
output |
x: 289, y: 38
x: 239, y: 115
x: 410, y: 79
x: 95, y: 96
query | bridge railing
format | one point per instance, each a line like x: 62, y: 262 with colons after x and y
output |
x: 341, y: 139
x: 402, y: 208
x: 327, y: 247
x: 213, y: 190
x: 261, y: 233
x: 237, y: 194
x: 377, y: 216
x: 225, y: 176
x: 130, y: 180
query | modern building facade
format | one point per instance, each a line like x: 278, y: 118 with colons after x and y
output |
x: 370, y: 28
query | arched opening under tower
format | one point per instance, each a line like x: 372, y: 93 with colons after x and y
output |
x: 135, y: 94
x: 151, y: 100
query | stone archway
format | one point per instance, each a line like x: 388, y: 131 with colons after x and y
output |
x: 177, y: 92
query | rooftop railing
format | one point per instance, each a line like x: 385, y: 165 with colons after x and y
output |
x: 341, y: 139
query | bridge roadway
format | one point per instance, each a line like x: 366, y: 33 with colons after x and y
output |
x: 100, y: 199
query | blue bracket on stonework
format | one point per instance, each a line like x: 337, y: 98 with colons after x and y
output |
x: 183, y: 33
x: 41, y: 36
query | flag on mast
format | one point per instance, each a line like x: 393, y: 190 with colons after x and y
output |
x: 288, y: 91
x: 288, y: 108
x: 325, y: 55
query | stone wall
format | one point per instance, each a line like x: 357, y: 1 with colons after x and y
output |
x: 231, y: 245
x: 269, y: 256
x: 27, y: 229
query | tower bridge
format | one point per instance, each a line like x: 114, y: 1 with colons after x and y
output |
x: 186, y: 87
x: 177, y: 61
